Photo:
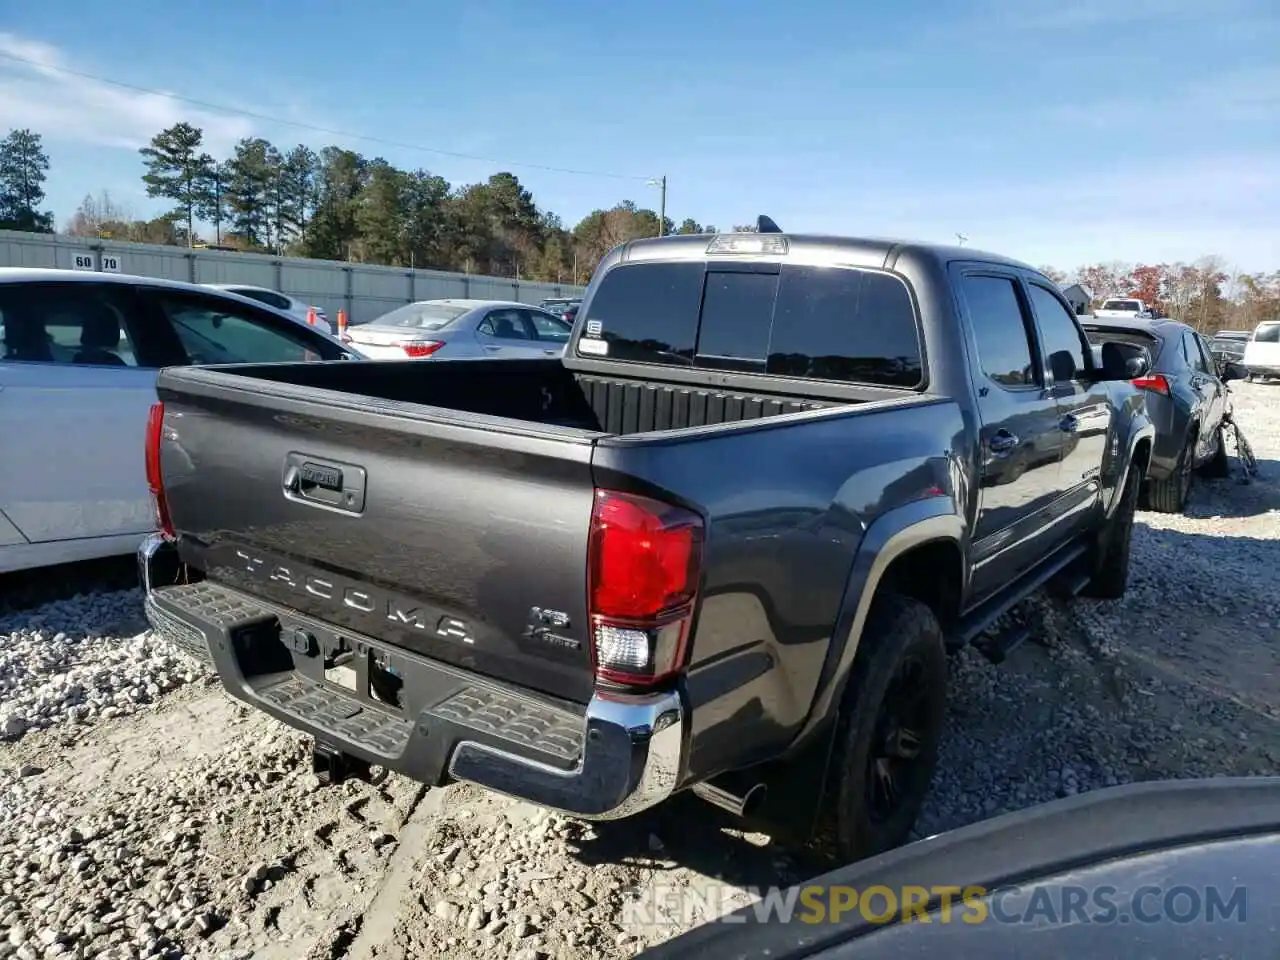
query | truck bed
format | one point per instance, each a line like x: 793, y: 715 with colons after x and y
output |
x: 537, y: 391
x: 437, y: 507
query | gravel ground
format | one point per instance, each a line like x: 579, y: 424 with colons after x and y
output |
x: 145, y: 814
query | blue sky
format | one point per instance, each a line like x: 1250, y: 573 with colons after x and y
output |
x: 1055, y: 131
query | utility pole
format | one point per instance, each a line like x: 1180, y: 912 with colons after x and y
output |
x: 661, y: 184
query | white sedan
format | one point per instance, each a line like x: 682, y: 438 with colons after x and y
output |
x: 79, y: 353
x: 281, y: 301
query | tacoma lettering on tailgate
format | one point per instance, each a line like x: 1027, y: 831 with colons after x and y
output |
x: 401, y: 612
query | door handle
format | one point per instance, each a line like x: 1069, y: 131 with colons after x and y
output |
x: 1003, y: 443
x: 1069, y: 424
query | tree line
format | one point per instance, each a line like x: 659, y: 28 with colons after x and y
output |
x: 337, y: 204
x: 1208, y: 294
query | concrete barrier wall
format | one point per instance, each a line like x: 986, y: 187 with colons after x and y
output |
x: 365, y: 291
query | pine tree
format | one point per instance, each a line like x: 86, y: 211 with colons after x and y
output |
x: 213, y: 205
x: 23, y: 166
x: 178, y: 170
x: 249, y: 190
x: 298, y: 175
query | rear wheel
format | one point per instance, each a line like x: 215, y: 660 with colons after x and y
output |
x: 1110, y: 555
x: 891, y: 722
x: 1170, y: 494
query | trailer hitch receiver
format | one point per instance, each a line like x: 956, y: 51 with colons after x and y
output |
x: 331, y: 766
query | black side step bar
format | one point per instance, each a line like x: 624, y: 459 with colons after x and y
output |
x: 979, y: 620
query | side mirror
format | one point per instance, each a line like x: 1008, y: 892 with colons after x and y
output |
x: 1124, y: 361
x: 1229, y: 371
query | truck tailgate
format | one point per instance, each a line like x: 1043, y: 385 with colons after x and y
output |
x: 453, y: 538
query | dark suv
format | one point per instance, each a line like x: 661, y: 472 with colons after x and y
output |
x: 1186, y: 400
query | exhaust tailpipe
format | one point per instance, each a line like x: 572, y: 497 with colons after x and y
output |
x: 740, y: 805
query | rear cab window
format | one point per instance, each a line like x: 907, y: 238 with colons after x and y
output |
x: 843, y: 324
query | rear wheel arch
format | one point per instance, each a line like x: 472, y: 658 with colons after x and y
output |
x: 930, y: 571
x: 923, y: 536
x: 924, y: 525
x: 933, y: 573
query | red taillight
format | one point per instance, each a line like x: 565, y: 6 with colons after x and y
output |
x: 1155, y: 382
x: 155, y: 479
x: 422, y: 349
x: 644, y: 565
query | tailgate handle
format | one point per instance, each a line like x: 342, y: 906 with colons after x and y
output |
x: 328, y: 484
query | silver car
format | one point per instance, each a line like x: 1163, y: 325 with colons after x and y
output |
x: 79, y: 355
x: 462, y: 329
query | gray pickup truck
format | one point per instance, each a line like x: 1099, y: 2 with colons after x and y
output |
x: 723, y: 545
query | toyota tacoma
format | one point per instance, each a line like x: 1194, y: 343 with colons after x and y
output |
x: 723, y: 545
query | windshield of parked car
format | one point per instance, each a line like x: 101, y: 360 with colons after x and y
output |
x: 1122, y: 305
x: 1267, y: 333
x: 421, y: 316
x: 1100, y: 335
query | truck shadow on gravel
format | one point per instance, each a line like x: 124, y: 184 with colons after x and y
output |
x: 1234, y: 498
x: 691, y: 834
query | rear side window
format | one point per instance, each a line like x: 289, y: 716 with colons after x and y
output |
x: 86, y: 324
x: 1064, y: 348
x: 833, y: 323
x: 1000, y: 329
x: 822, y: 323
x: 507, y: 324
x: 1191, y: 347
x: 549, y: 327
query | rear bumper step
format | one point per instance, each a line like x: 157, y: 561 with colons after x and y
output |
x: 615, y: 758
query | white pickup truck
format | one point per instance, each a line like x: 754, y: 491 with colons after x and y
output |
x: 1122, y: 307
